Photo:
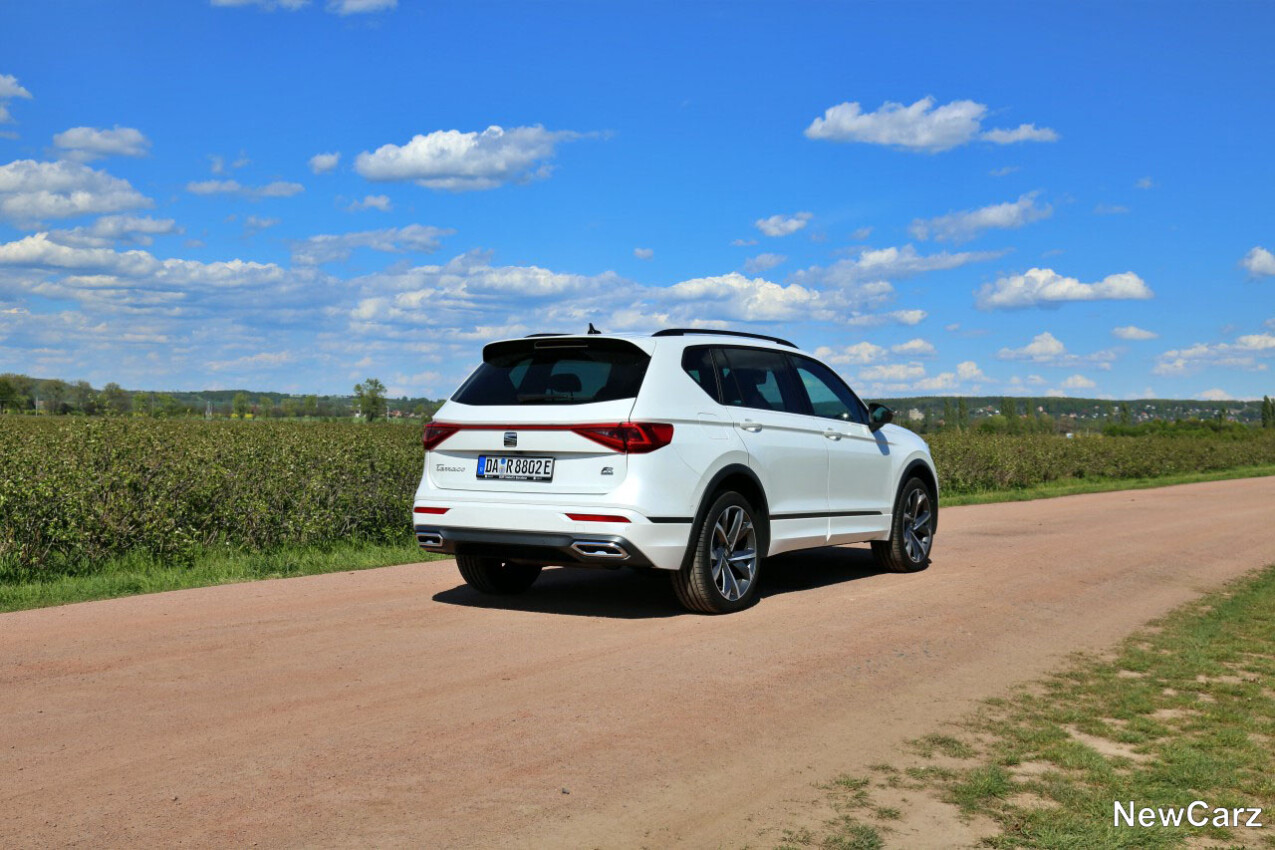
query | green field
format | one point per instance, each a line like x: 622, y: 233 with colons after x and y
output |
x: 90, y: 497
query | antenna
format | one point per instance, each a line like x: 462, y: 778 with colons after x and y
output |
x: 593, y: 330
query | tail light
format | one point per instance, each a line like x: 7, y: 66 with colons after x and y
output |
x: 596, y: 518
x: 421, y: 509
x: 633, y: 438
x: 436, y: 432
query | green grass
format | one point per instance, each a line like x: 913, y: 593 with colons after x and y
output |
x: 1077, y: 486
x: 133, y: 574
x: 1181, y: 711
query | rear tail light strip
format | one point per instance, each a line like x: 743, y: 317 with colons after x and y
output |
x: 623, y: 437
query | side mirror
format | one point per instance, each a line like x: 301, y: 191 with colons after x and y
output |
x: 878, y: 415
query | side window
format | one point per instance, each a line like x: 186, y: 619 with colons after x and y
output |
x: 762, y: 379
x: 828, y: 394
x: 697, y: 361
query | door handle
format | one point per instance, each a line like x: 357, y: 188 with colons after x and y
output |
x: 750, y: 425
x: 833, y: 435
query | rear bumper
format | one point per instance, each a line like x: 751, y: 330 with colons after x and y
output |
x: 587, y: 550
x: 545, y: 534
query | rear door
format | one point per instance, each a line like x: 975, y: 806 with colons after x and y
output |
x: 859, y: 487
x: 785, y: 446
x: 539, y: 416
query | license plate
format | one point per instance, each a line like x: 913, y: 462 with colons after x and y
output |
x: 515, y: 468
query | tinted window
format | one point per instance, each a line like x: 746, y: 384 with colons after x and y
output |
x: 555, y: 371
x: 828, y: 394
x: 697, y: 362
x: 756, y: 377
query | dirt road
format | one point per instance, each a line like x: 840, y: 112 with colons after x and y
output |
x: 394, y: 707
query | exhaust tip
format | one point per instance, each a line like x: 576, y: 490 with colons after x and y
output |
x: 602, y: 549
x: 429, y: 539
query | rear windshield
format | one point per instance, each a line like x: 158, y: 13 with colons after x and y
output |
x: 555, y: 371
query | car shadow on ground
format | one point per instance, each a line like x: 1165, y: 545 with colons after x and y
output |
x: 635, y: 595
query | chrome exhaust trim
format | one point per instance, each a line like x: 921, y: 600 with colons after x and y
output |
x: 429, y: 539
x: 603, y: 549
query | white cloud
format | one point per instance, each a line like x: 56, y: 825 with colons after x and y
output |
x: 902, y: 317
x: 1216, y: 395
x: 290, y: 5
x: 1078, y: 382
x: 1259, y: 261
x: 372, y: 202
x: 322, y: 163
x: 32, y: 191
x: 861, y: 234
x: 743, y: 243
x: 139, y: 230
x: 276, y: 189
x: 893, y: 372
x: 458, y: 162
x: 1021, y: 133
x: 969, y: 371
x: 857, y: 354
x: 1004, y: 171
x: 1041, y: 287
x: 1132, y: 332
x: 1046, y: 349
x: 878, y: 264
x: 87, y: 143
x: 782, y: 225
x: 255, y: 224
x: 1145, y: 183
x: 644, y: 253
x: 328, y: 248
x: 357, y: 7
x: 967, y: 224
x: 253, y: 362
x: 915, y: 347
x: 1243, y: 354
x: 749, y: 299
x: 763, y: 263
x: 919, y: 127
x: 9, y: 89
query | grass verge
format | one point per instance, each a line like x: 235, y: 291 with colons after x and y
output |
x: 1181, y: 711
x: 130, y: 574
x: 1076, y: 486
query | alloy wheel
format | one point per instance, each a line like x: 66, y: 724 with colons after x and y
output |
x: 733, y: 553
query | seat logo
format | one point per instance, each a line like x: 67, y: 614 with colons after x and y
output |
x: 511, y: 439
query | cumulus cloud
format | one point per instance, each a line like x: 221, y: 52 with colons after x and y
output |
x: 968, y: 371
x: 749, y: 299
x: 915, y: 348
x: 763, y: 263
x: 138, y: 230
x: 858, y: 354
x: 1246, y: 353
x: 967, y: 224
x: 743, y: 243
x: 10, y: 89
x: 275, y: 189
x: 644, y: 253
x: 1132, y: 332
x: 322, y: 163
x: 360, y: 7
x: 1047, y: 350
x: 372, y: 202
x: 32, y: 191
x: 879, y: 264
x: 783, y: 225
x: 1216, y: 395
x: 88, y: 143
x: 328, y: 248
x: 894, y: 372
x: 1042, y: 287
x: 919, y: 127
x: 1259, y: 262
x: 459, y: 162
x: 255, y: 224
x: 1078, y: 382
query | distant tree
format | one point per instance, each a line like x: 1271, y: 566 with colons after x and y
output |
x: 310, y: 406
x: 239, y: 406
x: 949, y: 418
x: 371, y: 398
x: 168, y: 407
x: 115, y: 399
x: 8, y: 395
x: 1268, y: 412
x: 1126, y: 415
x: 54, y: 393
x: 265, y: 406
x: 291, y: 407
x: 962, y: 414
x: 84, y: 397
x: 143, y: 404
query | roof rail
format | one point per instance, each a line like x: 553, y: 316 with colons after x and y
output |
x: 688, y: 331
x: 533, y: 336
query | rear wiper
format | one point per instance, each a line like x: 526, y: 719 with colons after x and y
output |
x: 541, y: 397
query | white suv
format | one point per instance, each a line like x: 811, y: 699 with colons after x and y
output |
x: 696, y: 452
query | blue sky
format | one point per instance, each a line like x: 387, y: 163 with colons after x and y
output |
x: 1020, y: 199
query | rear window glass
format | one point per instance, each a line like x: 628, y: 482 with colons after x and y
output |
x: 555, y: 371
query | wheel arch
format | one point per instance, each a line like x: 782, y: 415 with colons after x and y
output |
x: 919, y: 468
x: 742, y: 480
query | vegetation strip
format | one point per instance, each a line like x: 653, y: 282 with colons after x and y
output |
x: 1182, y: 711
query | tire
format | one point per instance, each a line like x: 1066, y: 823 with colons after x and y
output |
x: 494, y: 576
x: 908, y: 549
x: 712, y: 580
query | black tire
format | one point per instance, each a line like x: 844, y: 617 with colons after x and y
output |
x: 494, y: 576
x: 734, y: 585
x: 910, y: 543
